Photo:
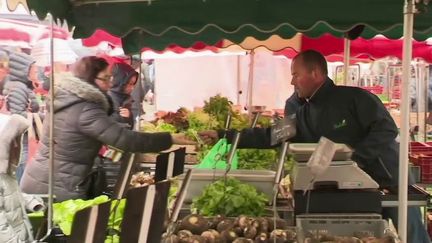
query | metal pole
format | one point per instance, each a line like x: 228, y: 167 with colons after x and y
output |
x: 427, y: 77
x: 425, y: 81
x: 238, y: 80
x: 251, y: 81
x: 404, y: 130
x: 417, y: 95
x: 347, y: 54
x: 51, y: 131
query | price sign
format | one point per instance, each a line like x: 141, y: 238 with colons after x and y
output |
x: 283, y: 130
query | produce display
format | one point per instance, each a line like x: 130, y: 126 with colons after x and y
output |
x: 195, y: 228
x: 230, y: 198
x: 64, y: 212
x: 358, y: 238
x: 115, y: 220
x: 257, y: 159
x: 141, y: 179
x: 213, y: 117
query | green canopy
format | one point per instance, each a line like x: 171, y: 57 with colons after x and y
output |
x: 158, y: 23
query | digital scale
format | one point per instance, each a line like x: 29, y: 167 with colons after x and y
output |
x: 340, y: 174
x: 343, y: 174
x: 327, y: 181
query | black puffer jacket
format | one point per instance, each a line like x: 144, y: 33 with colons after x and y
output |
x: 121, y: 75
x: 18, y: 88
x: 81, y: 127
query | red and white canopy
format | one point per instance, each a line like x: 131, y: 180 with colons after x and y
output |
x: 25, y: 34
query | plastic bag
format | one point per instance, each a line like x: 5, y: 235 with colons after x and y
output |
x: 217, y: 156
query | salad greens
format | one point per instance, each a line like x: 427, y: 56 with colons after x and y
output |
x: 256, y: 159
x: 231, y: 199
x: 64, y: 212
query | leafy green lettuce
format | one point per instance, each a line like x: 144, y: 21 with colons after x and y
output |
x: 231, y: 198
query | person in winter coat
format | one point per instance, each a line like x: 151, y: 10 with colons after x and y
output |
x: 4, y: 70
x: 20, y: 98
x: 348, y: 115
x: 82, y: 125
x: 124, y: 80
x: 14, y: 223
x: 292, y: 104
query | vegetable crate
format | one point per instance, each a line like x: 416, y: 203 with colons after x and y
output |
x: 312, y: 227
x: 418, y: 147
x: 421, y: 155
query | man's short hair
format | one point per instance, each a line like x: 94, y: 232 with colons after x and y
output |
x: 312, y: 59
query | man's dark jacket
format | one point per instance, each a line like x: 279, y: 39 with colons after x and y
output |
x: 348, y: 115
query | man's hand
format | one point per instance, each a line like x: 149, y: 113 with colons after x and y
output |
x: 209, y: 137
x: 181, y: 139
x: 124, y: 112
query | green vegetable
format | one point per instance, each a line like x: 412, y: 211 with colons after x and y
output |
x: 64, y: 212
x: 165, y: 127
x: 257, y: 159
x: 116, y: 216
x: 146, y: 126
x: 219, y: 107
x: 172, y: 193
x: 115, y: 220
x: 231, y: 199
x: 240, y: 121
x: 201, y: 121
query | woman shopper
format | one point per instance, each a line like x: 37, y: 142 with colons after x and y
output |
x: 21, y: 99
x: 124, y: 80
x: 82, y: 125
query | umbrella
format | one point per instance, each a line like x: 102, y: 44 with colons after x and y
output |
x: 63, y: 53
x: 25, y: 34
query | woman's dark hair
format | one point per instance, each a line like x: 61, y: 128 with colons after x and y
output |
x: 87, y: 68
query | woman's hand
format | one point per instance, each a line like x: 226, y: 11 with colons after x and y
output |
x: 209, y: 137
x: 181, y: 139
x: 124, y: 112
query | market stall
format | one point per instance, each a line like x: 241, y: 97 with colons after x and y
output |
x: 337, y: 23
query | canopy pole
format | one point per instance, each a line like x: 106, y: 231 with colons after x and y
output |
x: 425, y: 69
x: 239, y: 91
x: 51, y: 131
x: 404, y: 130
x: 251, y: 81
x: 347, y: 54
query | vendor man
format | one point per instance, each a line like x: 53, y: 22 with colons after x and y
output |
x: 348, y: 115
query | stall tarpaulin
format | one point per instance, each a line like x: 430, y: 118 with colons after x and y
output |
x: 157, y: 24
x: 377, y: 47
x: 100, y: 37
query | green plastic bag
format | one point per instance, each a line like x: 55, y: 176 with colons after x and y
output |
x: 217, y: 156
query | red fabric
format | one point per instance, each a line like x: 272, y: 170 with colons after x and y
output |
x: 290, y: 53
x: 102, y: 36
x: 27, y: 32
x: 197, y: 46
x: 377, y: 47
x: 112, y: 60
x: 57, y: 34
x: 99, y: 36
x: 15, y: 35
